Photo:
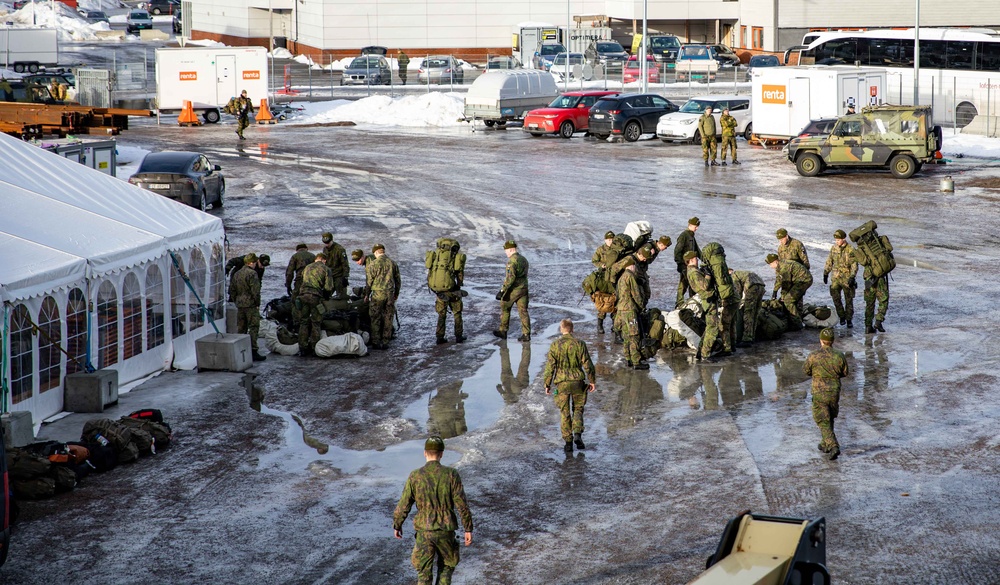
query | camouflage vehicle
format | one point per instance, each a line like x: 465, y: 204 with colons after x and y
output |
x: 902, y: 138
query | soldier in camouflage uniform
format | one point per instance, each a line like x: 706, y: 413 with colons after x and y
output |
x: 244, y: 108
x: 685, y: 243
x: 791, y: 249
x: 750, y: 289
x: 876, y: 289
x: 317, y: 284
x: 826, y: 367
x: 793, y: 280
x: 245, y: 291
x: 844, y: 266
x: 437, y: 491
x: 450, y: 300
x: 702, y: 285
x: 627, y: 316
x: 567, y: 366
x: 514, y: 291
x: 381, y: 291
x: 293, y: 273
x: 336, y: 261
x: 706, y: 127
x: 728, y: 135
x: 604, y: 257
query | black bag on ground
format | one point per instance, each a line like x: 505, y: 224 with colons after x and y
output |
x: 64, y: 477
x: 118, y: 435
x: 102, y: 456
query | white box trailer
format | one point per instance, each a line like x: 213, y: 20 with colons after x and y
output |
x: 786, y: 99
x: 208, y: 77
x: 497, y: 97
x: 28, y: 49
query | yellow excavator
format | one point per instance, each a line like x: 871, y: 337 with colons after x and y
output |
x: 768, y: 550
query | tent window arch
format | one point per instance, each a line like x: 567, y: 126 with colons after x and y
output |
x: 197, y: 273
x: 131, y: 316
x: 21, y: 355
x: 178, y: 300
x: 76, y: 330
x: 216, y: 303
x: 49, y: 356
x: 154, y: 307
x: 107, y: 325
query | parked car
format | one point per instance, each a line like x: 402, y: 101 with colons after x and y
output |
x: 6, y: 511
x: 163, y: 6
x: 178, y: 23
x: 16, y: 90
x: 633, y: 72
x: 559, y: 63
x: 727, y: 58
x: 609, y: 54
x: 758, y: 61
x: 138, y: 20
x: 503, y: 63
x: 95, y: 16
x: 187, y: 177
x: 683, y: 124
x: 67, y: 79
x: 567, y: 114
x: 374, y: 50
x: 664, y: 49
x: 367, y: 70
x: 630, y: 115
x: 821, y: 127
x: 440, y: 69
x: 547, y: 50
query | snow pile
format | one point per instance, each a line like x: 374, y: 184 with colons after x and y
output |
x: 424, y: 110
x: 205, y: 43
x: 69, y: 23
x: 280, y: 53
x: 975, y: 145
x: 129, y: 159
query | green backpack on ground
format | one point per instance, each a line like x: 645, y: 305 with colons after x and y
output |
x: 714, y: 256
x: 874, y: 252
x: 445, y: 266
x: 118, y: 435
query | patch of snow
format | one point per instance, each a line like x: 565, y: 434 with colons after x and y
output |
x: 129, y: 159
x: 280, y: 53
x: 206, y: 43
x: 425, y: 110
x: 70, y: 24
x: 975, y: 145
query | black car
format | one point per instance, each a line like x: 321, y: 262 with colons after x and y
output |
x: 178, y: 24
x: 95, y: 16
x: 630, y: 115
x: 5, y: 504
x: 761, y: 61
x: 187, y: 177
x: 610, y: 54
x: 821, y: 127
x: 163, y: 6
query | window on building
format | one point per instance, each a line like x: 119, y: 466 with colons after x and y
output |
x: 758, y: 37
x: 154, y: 307
x: 107, y: 325
x: 131, y: 317
x: 21, y: 355
x: 178, y: 300
x: 217, y: 276
x: 76, y: 331
x: 197, y: 272
x: 49, y: 340
x: 743, y: 37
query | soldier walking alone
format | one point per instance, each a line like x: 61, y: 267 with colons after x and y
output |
x: 402, y: 62
x: 514, y: 291
x: 437, y: 491
x: 567, y: 366
x: 244, y: 107
x: 826, y: 366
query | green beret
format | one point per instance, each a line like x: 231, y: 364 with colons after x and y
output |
x: 378, y: 247
x: 839, y: 235
x: 509, y: 244
x: 689, y: 255
x: 609, y: 236
x: 434, y: 444
x: 771, y: 258
x: 694, y: 221
x: 356, y: 255
x: 250, y: 258
x: 327, y: 237
x: 665, y: 240
x: 782, y: 232
x: 265, y: 260
x: 826, y: 334
x: 302, y: 247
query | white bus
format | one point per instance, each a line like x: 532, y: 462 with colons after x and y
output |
x: 959, y: 68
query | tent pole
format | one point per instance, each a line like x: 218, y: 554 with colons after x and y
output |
x: 4, y: 344
x: 190, y: 286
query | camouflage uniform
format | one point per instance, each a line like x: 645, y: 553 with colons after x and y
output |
x: 627, y: 318
x: 875, y: 289
x: 244, y: 107
x: 449, y: 300
x: 245, y: 290
x: 685, y: 243
x: 316, y: 285
x: 794, y: 280
x: 604, y: 257
x: 750, y: 289
x: 826, y: 366
x: 728, y: 135
x: 437, y: 491
x: 382, y: 288
x: 446, y: 411
x: 793, y: 250
x: 293, y: 273
x: 512, y: 385
x: 515, y: 283
x: 702, y: 286
x: 567, y: 366
x: 706, y: 127
x: 402, y: 62
x: 336, y: 261
x: 844, y: 268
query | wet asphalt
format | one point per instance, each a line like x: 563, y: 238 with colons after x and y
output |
x: 672, y: 453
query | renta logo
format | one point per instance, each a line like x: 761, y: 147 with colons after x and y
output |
x: 188, y: 76
x: 251, y: 75
x: 773, y: 94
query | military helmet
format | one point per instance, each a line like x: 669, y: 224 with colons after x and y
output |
x: 434, y: 443
x: 839, y: 235
x: 694, y: 221
x: 609, y: 235
x: 250, y: 258
x: 781, y: 233
x: 771, y: 258
x: 265, y: 260
x: 689, y: 255
x: 356, y: 255
x: 327, y: 237
x: 826, y: 334
x: 509, y: 244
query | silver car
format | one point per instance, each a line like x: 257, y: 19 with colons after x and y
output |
x: 367, y: 70
x: 440, y: 69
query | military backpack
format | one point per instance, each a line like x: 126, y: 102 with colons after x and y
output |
x: 874, y: 252
x: 445, y: 266
x: 714, y: 256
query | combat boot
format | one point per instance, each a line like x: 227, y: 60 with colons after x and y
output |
x: 524, y: 338
x: 600, y: 326
x: 723, y: 162
x: 568, y: 447
x: 460, y: 338
x: 257, y: 357
x: 843, y: 320
x: 578, y: 440
x: 850, y: 324
x: 441, y: 340
x: 715, y: 164
x: 833, y: 453
x: 878, y: 326
x: 736, y: 162
x: 500, y: 334
x: 868, y: 328
x: 706, y: 162
x: 641, y: 366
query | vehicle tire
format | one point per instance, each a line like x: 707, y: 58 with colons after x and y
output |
x: 535, y: 134
x: 632, y: 131
x: 902, y: 166
x: 748, y: 132
x: 809, y: 165
x: 33, y: 68
x: 203, y: 201
x: 964, y: 113
x: 696, y: 139
x: 222, y: 195
x: 489, y: 123
x: 211, y: 116
x: 566, y: 129
x: 18, y: 68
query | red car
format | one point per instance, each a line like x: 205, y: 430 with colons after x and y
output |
x: 632, y: 72
x: 569, y: 113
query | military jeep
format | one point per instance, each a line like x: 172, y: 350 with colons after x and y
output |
x: 902, y: 138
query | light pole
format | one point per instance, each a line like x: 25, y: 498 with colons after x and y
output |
x: 644, y: 66
x: 569, y: 20
x: 916, y: 57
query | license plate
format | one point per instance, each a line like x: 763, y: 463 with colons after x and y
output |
x: 532, y: 125
x: 599, y: 116
x: 697, y: 77
x: 160, y: 186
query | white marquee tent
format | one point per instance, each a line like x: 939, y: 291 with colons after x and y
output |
x: 88, y: 277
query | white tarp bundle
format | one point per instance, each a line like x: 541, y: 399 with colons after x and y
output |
x: 346, y: 344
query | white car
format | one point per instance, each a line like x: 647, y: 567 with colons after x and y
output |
x: 683, y: 124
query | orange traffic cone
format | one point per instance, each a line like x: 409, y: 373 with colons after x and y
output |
x: 188, y: 117
x: 264, y: 114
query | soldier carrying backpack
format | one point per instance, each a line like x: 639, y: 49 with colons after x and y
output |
x: 874, y: 252
x: 445, y: 275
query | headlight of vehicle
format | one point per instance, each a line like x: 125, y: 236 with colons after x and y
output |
x: 689, y: 121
